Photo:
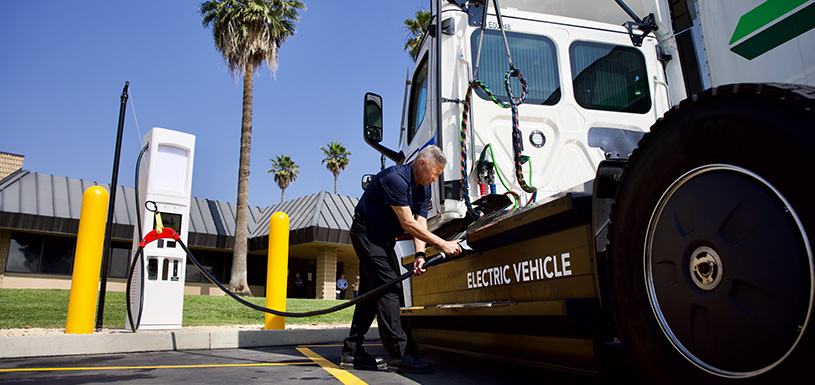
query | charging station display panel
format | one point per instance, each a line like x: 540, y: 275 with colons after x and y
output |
x: 171, y: 159
x: 170, y: 220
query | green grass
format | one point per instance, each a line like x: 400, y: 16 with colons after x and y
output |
x: 39, y: 308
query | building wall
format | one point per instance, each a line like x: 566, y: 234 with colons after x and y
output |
x: 195, y: 283
x: 44, y: 260
x: 51, y: 281
x: 5, y: 240
x: 63, y: 282
x: 351, y: 271
x: 326, y: 272
x: 197, y: 288
x: 9, y: 163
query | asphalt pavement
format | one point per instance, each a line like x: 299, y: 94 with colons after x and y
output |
x: 205, y: 356
x: 289, y: 364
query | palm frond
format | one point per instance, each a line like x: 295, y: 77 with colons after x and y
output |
x: 416, y: 29
x: 250, y: 31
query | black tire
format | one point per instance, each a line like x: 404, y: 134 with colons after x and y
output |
x: 711, y: 266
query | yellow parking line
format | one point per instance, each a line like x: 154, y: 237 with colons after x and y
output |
x: 343, y: 375
x: 155, y: 367
x: 332, y: 345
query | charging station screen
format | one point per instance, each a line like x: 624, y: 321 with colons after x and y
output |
x: 171, y: 168
x: 172, y: 221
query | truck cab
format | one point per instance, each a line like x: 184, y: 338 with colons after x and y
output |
x: 581, y: 76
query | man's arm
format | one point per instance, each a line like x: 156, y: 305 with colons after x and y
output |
x: 419, y: 230
x: 419, y: 244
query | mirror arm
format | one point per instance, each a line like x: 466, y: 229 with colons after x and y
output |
x: 396, y: 157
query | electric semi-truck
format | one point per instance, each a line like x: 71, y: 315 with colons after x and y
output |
x: 647, y: 187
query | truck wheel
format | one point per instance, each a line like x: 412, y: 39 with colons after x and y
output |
x: 711, y: 268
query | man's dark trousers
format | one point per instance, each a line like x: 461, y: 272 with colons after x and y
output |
x: 378, y: 265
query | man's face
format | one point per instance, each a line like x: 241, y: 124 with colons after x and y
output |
x: 427, y: 171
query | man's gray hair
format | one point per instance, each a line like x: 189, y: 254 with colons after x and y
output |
x: 432, y: 153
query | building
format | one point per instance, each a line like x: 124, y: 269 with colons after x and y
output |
x: 39, y: 219
x: 10, y: 163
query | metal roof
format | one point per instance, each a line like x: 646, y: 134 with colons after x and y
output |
x: 322, y: 217
x: 46, y: 203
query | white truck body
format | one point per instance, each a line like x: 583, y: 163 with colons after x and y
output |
x: 565, y: 162
x: 544, y: 36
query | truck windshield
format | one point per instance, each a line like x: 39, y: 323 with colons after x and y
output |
x: 610, y: 78
x: 533, y: 55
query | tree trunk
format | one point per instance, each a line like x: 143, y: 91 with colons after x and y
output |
x: 335, y: 184
x: 282, y: 192
x: 237, y: 278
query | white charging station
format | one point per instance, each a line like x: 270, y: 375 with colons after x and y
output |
x: 165, y: 178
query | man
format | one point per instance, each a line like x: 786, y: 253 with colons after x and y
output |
x: 395, y: 201
x: 298, y: 286
x: 342, y: 285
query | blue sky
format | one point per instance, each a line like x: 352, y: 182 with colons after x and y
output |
x: 65, y: 64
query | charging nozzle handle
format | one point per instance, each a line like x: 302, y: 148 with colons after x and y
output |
x: 434, y: 259
x: 438, y: 258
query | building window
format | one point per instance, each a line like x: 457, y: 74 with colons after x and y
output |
x: 533, y: 55
x: 57, y: 255
x: 609, y: 78
x: 217, y: 263
x: 31, y: 253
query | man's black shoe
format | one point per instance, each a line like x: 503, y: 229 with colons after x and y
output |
x: 362, y: 361
x: 409, y: 364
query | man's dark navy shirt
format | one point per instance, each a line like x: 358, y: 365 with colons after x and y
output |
x: 393, y: 186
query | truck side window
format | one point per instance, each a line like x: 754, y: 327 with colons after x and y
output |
x: 418, y: 99
x: 609, y: 78
x: 533, y: 55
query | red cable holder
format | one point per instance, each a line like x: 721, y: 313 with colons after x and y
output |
x: 164, y: 232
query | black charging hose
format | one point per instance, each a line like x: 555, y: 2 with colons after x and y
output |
x: 138, y: 254
x: 170, y: 233
x: 430, y: 261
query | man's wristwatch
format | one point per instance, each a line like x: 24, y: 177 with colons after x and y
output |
x: 419, y: 254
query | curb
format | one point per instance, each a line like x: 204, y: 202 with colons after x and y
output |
x: 127, y: 342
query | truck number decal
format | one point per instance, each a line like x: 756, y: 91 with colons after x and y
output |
x: 494, y: 25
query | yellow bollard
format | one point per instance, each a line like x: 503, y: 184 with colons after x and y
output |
x: 277, y: 269
x: 87, y: 261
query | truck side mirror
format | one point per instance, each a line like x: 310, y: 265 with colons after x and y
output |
x: 372, y: 121
x: 372, y: 127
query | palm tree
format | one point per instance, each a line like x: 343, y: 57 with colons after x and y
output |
x: 416, y: 29
x: 336, y: 160
x: 248, y: 33
x: 285, y: 171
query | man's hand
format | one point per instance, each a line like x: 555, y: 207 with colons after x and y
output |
x: 451, y: 248
x: 418, y: 264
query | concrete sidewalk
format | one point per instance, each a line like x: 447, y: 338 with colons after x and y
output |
x: 125, y: 341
